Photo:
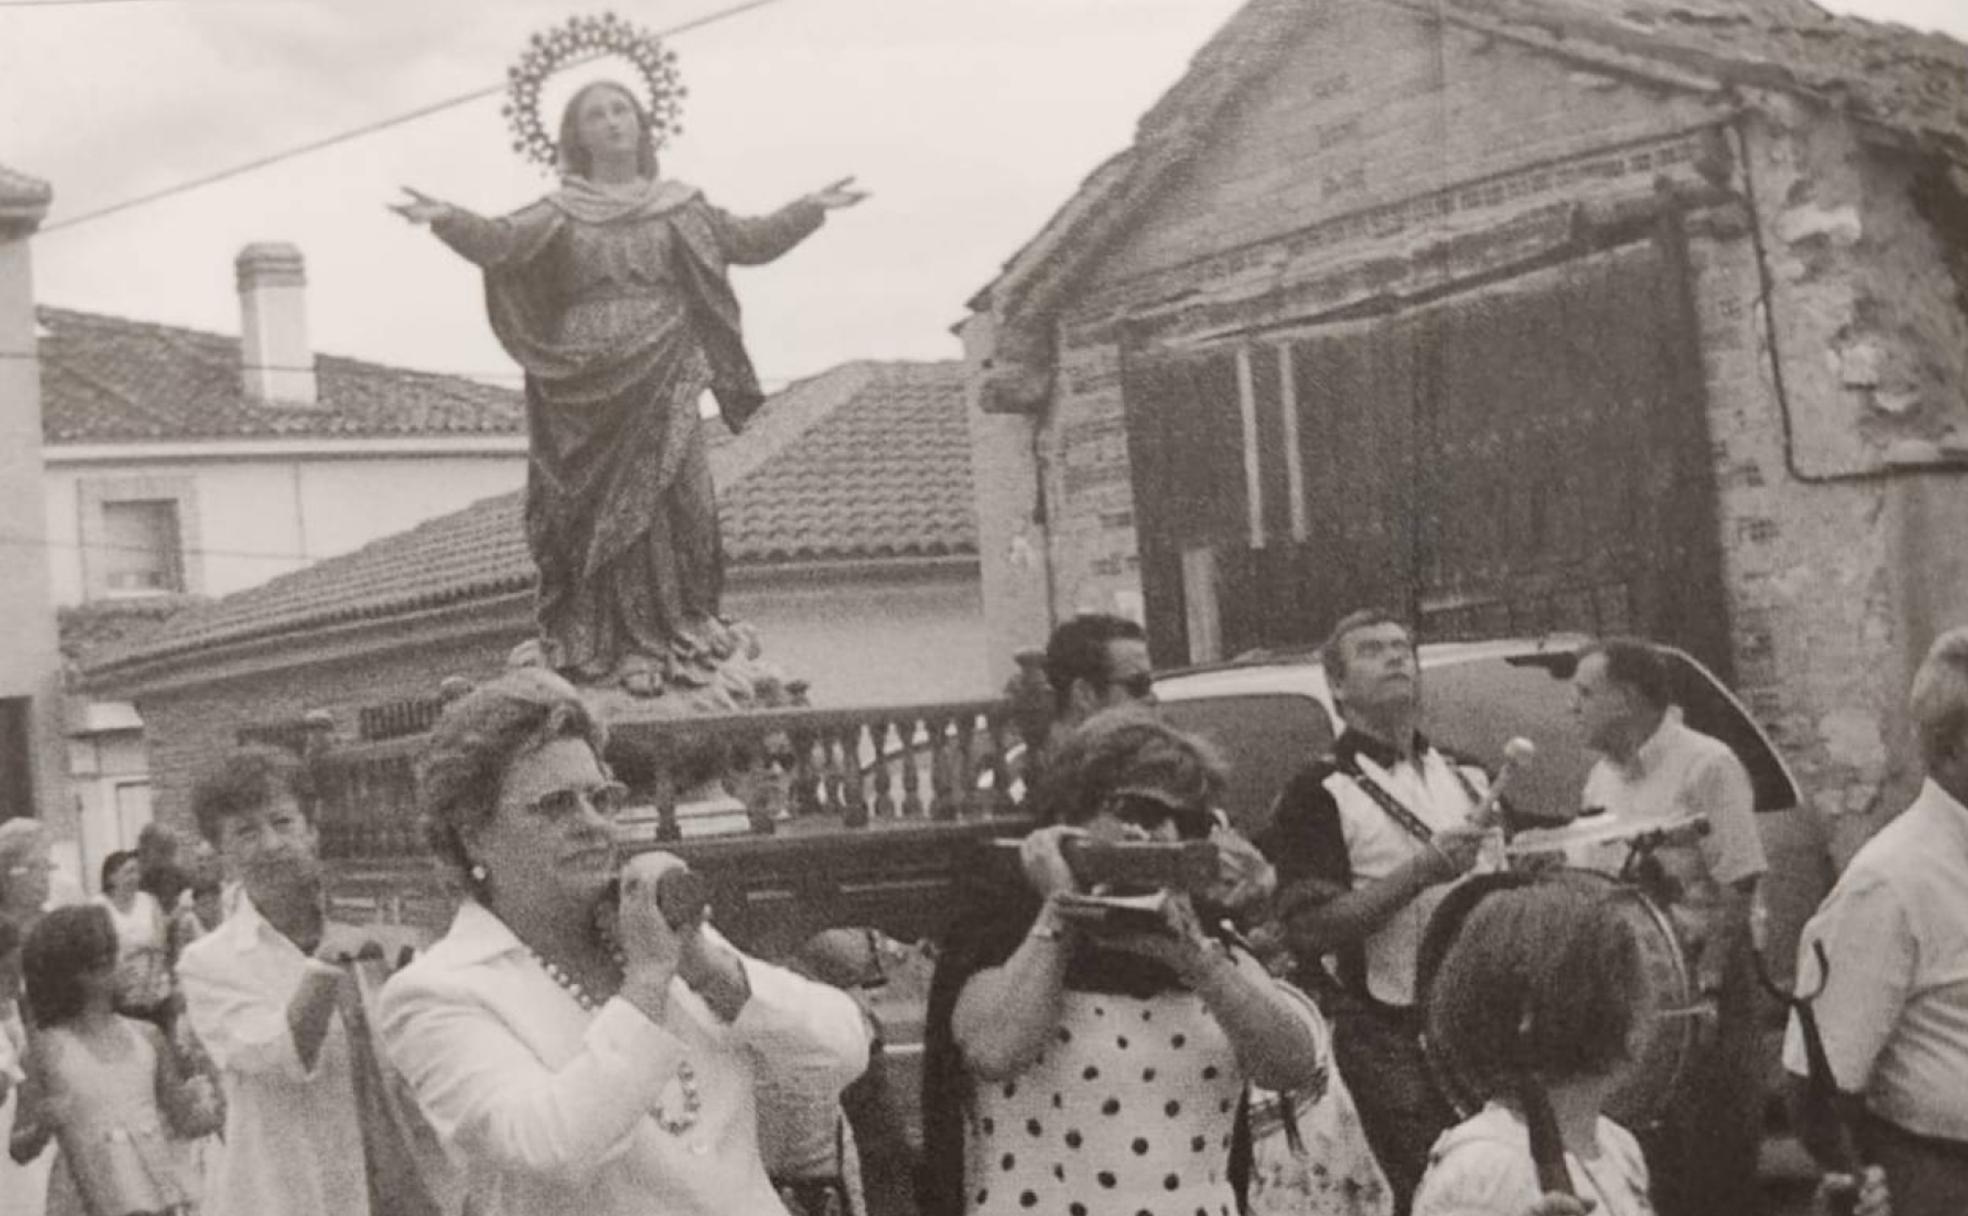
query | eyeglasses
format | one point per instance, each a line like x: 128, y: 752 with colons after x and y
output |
x: 1139, y: 686
x: 607, y: 799
x: 1149, y: 813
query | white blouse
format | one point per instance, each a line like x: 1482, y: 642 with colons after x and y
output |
x: 1483, y: 1167
x: 549, y: 1107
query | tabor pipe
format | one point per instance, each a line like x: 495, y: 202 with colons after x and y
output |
x: 1517, y: 753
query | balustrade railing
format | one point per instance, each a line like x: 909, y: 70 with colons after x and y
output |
x: 794, y: 770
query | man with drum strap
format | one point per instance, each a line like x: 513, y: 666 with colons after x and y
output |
x: 1366, y: 842
x: 1894, y: 1007
x: 1654, y: 769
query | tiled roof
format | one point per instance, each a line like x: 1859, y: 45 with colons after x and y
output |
x: 107, y: 379
x: 1911, y: 83
x: 875, y: 464
x: 887, y: 474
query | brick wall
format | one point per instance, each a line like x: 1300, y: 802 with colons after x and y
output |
x: 184, y: 731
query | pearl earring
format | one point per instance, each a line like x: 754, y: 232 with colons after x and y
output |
x: 477, y: 872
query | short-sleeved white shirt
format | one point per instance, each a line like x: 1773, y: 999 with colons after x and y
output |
x: 1894, y: 1009
x: 1678, y: 773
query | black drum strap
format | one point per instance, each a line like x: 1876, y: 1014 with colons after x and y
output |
x: 1384, y: 798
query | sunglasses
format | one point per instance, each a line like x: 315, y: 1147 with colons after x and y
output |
x: 1147, y: 813
x: 608, y: 800
x: 1140, y: 685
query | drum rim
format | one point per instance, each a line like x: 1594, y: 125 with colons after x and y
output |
x: 1459, y: 1094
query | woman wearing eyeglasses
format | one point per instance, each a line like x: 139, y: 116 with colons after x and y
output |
x: 575, y: 1051
x: 1092, y: 1072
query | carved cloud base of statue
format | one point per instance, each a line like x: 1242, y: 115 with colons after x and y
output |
x: 733, y: 681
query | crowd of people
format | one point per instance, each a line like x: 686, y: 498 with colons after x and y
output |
x: 203, y: 1037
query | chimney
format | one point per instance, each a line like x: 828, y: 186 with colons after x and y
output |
x: 276, y: 364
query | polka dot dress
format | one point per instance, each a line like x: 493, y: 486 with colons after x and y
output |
x: 1128, y: 1112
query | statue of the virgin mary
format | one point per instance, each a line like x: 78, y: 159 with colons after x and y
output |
x: 612, y: 293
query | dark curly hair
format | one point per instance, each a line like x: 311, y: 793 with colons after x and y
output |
x: 478, y: 738
x: 1121, y: 749
x: 63, y: 946
x: 246, y: 779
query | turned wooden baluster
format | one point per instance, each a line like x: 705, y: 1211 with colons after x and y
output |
x: 969, y: 802
x: 854, y: 794
x: 948, y: 801
x: 998, y: 731
x: 912, y: 803
x: 884, y: 779
x: 832, y: 797
x: 808, y: 777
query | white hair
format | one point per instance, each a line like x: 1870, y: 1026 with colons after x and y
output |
x: 1939, y: 701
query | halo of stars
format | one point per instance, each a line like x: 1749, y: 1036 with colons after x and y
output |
x: 579, y: 40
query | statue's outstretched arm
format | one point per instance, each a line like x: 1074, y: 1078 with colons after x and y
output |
x: 484, y: 242
x: 747, y: 242
x: 751, y: 240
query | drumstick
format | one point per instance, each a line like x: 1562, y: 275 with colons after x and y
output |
x: 1517, y: 753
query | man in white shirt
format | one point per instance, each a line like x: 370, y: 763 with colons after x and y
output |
x: 268, y: 1009
x: 1366, y: 842
x: 1654, y: 769
x: 1894, y: 1008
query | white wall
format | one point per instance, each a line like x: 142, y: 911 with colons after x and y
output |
x: 111, y: 781
x: 905, y: 643
x: 30, y: 664
x: 251, y: 519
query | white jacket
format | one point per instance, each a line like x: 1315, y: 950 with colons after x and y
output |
x: 549, y: 1108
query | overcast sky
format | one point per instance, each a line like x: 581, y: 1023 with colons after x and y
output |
x: 971, y: 120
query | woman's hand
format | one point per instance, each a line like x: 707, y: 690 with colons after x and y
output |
x: 1835, y: 1194
x: 833, y: 197
x: 651, y: 950
x: 1180, y: 945
x: 1045, y: 864
x: 422, y: 209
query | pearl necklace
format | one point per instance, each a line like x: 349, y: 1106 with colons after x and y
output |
x: 686, y: 1076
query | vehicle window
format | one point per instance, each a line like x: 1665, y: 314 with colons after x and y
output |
x: 1473, y: 708
x: 1265, y: 738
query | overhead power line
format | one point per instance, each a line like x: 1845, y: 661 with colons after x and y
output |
x: 317, y: 145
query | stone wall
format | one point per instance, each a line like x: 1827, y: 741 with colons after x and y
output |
x: 185, y: 730
x: 1834, y: 342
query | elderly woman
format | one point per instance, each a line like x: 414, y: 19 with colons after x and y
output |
x: 1095, y: 1072
x: 576, y: 1051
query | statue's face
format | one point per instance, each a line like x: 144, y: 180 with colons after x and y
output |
x: 606, y: 122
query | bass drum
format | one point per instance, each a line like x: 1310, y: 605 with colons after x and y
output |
x: 1667, y: 1042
